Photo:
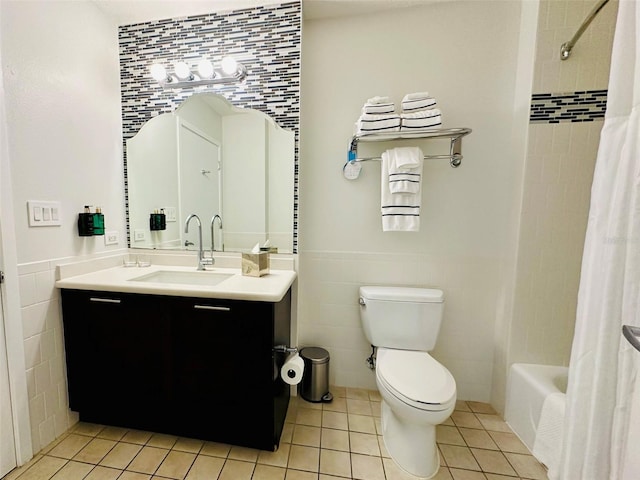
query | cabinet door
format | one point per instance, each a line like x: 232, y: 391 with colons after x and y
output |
x: 120, y: 359
x: 224, y: 371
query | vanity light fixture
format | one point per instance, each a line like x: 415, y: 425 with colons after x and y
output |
x: 228, y: 71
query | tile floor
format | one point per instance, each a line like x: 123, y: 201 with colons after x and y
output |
x: 337, y: 440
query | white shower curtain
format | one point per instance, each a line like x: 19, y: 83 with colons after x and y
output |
x: 602, y: 367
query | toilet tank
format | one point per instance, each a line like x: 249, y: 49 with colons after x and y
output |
x: 401, y: 317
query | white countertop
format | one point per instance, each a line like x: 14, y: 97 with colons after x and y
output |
x: 268, y: 288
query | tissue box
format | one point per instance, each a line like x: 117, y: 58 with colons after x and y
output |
x: 255, y: 264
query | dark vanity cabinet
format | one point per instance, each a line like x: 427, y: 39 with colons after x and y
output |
x: 194, y: 367
x: 118, y: 349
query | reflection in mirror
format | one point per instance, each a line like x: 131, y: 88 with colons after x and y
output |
x: 211, y: 158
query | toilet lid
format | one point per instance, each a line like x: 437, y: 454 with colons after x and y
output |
x: 416, y: 376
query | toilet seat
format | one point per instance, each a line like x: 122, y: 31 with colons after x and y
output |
x: 416, y: 379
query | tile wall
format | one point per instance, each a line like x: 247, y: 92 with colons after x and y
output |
x: 567, y: 113
x: 466, y: 216
x: 563, y: 146
x: 44, y: 353
x: 582, y: 106
x: 266, y: 39
x: 590, y: 61
x: 329, y: 312
x: 555, y: 205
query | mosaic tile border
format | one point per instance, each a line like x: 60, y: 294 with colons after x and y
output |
x: 583, y: 106
x: 266, y: 39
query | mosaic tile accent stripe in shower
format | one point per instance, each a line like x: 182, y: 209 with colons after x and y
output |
x: 266, y: 39
x: 584, y: 106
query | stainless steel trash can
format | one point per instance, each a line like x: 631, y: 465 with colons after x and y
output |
x: 315, y: 379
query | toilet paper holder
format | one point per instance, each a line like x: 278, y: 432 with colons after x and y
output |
x: 285, y: 349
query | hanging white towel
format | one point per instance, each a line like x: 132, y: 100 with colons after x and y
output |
x: 400, y: 211
x: 405, y: 169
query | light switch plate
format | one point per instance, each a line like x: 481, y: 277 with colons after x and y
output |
x: 44, y: 213
x: 170, y: 213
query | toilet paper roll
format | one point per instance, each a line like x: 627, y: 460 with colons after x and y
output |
x: 292, y: 370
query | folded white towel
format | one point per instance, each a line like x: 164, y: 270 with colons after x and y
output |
x: 400, y: 211
x: 368, y: 123
x: 378, y: 100
x: 411, y: 105
x: 421, y: 114
x: 405, y: 169
x: 379, y: 108
x: 423, y: 119
x: 378, y: 116
x: 416, y: 96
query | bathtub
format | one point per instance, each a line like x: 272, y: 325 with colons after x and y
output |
x: 528, y: 386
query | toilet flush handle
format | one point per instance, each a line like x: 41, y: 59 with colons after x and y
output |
x: 361, y: 301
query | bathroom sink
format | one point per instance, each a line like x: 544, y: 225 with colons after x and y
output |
x: 184, y: 278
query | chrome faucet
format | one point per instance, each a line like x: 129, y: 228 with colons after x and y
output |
x: 213, y: 220
x: 201, y: 260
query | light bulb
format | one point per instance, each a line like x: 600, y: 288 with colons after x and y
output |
x: 158, y: 72
x: 183, y: 72
x: 205, y: 69
x: 229, y: 65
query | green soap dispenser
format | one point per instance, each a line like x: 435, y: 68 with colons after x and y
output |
x: 98, y: 222
x: 157, y: 220
x: 85, y: 222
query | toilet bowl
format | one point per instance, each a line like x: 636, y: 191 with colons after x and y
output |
x: 412, y: 407
x: 418, y: 393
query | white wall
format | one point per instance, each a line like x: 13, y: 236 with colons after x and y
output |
x: 63, y: 111
x: 60, y: 66
x: 556, y: 192
x: 466, y: 55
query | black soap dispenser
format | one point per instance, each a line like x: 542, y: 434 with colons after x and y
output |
x: 98, y: 222
x: 85, y: 223
x: 157, y: 220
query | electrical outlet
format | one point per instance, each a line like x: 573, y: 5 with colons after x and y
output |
x: 139, y: 235
x: 170, y: 213
x: 111, y: 237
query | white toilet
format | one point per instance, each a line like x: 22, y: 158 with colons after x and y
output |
x: 418, y: 392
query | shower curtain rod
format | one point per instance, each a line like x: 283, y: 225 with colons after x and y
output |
x: 565, y: 49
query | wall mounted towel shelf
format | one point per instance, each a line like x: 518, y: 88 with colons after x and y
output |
x: 351, y: 169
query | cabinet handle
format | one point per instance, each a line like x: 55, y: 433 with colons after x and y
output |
x: 209, y: 307
x: 104, y: 300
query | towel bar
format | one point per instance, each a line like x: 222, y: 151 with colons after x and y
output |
x: 454, y: 156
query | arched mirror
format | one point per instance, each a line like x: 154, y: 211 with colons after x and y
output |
x: 233, y: 167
